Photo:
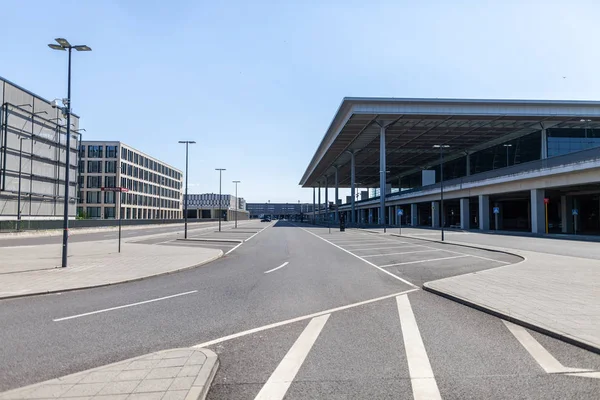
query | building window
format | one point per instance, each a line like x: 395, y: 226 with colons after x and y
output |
x: 94, y: 166
x: 110, y: 181
x: 93, y: 212
x: 93, y: 197
x: 81, y: 151
x: 79, y: 197
x: 123, y: 153
x: 94, y: 181
x: 95, y: 151
x: 109, y: 212
x: 80, y: 181
x: 109, y: 198
x: 123, y: 168
x: 111, y: 151
x: 110, y: 166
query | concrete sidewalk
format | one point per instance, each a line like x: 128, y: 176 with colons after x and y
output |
x: 177, y: 374
x: 555, y: 294
x: 27, y: 270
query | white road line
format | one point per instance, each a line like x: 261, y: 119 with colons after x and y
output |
x: 422, y: 261
x: 403, y: 252
x: 595, y: 375
x: 470, y: 255
x: 302, y: 318
x: 280, y: 380
x: 421, y: 375
x: 234, y: 248
x: 384, y: 248
x: 546, y: 360
x: 123, y: 306
x: 360, y: 258
x: 378, y: 243
x: 275, y: 269
x: 259, y: 232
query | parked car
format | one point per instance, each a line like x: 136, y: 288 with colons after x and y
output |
x: 265, y: 219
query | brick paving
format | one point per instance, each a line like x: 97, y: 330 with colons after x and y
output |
x: 177, y: 374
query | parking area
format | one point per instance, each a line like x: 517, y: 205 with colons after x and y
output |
x: 414, y: 260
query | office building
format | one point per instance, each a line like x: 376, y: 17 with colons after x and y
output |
x: 154, y: 188
x: 32, y: 156
x: 278, y: 210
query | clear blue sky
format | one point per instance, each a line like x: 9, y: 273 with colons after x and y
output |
x: 257, y: 83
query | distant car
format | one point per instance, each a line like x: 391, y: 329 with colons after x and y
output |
x: 265, y: 219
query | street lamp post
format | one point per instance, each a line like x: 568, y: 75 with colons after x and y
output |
x: 185, y: 216
x: 507, y: 146
x: 237, y: 202
x: 442, y: 147
x: 220, y: 200
x: 63, y: 45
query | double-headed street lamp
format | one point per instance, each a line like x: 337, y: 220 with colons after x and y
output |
x: 185, y: 215
x: 441, y: 147
x: 237, y: 202
x: 220, y: 200
x: 63, y: 45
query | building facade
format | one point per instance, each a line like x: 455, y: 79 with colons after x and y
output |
x: 278, y: 210
x: 207, y: 206
x: 33, y: 148
x: 154, y: 188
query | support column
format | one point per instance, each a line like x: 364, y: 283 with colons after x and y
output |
x: 326, y: 199
x: 465, y: 213
x: 319, y: 205
x: 484, y: 212
x: 544, y: 144
x: 538, y: 213
x: 435, y: 214
x: 414, y: 215
x: 352, y: 188
x: 382, y: 179
x: 370, y: 220
x: 337, y: 214
x: 468, y: 164
x: 314, y: 212
x: 566, y: 216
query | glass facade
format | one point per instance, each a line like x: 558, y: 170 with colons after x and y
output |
x: 565, y: 141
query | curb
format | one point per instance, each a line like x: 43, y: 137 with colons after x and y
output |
x: 16, y: 296
x: 499, y: 314
x: 205, y: 378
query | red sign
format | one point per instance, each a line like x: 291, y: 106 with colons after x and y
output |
x: 114, y: 189
x: 546, y: 200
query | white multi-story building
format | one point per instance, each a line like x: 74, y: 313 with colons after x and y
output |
x: 206, y: 205
x: 154, y: 188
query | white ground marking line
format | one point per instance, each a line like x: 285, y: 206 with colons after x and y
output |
x: 275, y: 269
x: 373, y: 244
x: 424, y: 386
x: 595, y: 375
x: 383, y: 248
x: 259, y: 232
x: 297, y: 319
x: 422, y: 261
x: 546, y: 360
x: 360, y: 258
x: 234, y: 248
x: 403, y: 252
x: 470, y: 255
x: 123, y: 306
x: 280, y: 380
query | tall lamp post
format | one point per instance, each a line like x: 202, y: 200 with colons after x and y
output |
x: 185, y: 215
x: 220, y: 200
x: 507, y: 146
x: 441, y: 147
x: 63, y: 45
x: 237, y: 202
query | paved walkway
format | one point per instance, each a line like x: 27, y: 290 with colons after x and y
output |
x: 27, y: 270
x: 555, y: 293
x: 175, y: 374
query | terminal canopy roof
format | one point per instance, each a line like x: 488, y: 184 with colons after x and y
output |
x: 414, y: 126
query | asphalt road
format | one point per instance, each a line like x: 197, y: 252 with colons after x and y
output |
x: 345, y: 308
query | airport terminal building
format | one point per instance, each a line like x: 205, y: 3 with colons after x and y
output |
x: 519, y: 165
